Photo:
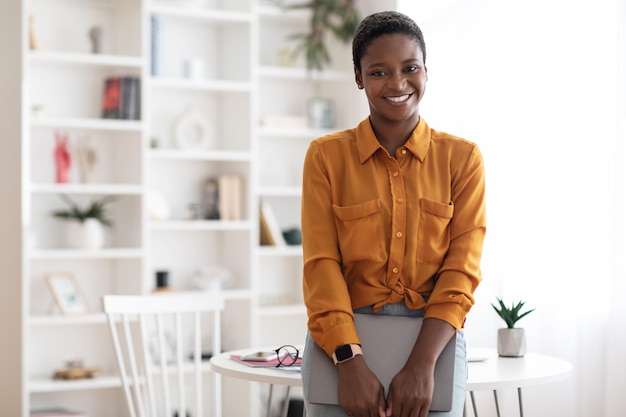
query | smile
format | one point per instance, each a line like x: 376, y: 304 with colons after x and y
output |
x: 399, y: 99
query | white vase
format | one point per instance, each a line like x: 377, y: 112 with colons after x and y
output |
x: 86, y: 235
x: 511, y: 342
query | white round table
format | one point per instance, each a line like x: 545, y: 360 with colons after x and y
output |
x: 486, y: 371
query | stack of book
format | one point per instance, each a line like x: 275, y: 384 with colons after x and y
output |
x: 121, y: 99
x: 230, y: 196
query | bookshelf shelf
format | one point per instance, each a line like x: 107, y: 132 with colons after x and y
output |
x: 87, y: 123
x: 201, y: 155
x: 110, y: 189
x: 306, y: 134
x: 286, y: 191
x: 275, y: 13
x: 82, y: 254
x: 201, y: 225
x: 105, y: 60
x: 42, y: 385
x: 48, y: 320
x: 303, y: 74
x: 218, y: 86
x: 209, y: 15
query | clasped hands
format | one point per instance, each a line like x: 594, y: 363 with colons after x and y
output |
x: 362, y: 395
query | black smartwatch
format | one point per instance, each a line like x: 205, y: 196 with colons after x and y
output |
x: 346, y: 352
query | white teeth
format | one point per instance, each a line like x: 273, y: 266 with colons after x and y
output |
x: 398, y: 99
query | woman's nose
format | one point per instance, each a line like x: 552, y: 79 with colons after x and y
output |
x: 397, y: 81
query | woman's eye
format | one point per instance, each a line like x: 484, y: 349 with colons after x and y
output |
x: 378, y: 73
x: 412, y: 68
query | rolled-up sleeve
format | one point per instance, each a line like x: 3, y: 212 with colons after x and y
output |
x: 452, y: 295
x: 331, y: 321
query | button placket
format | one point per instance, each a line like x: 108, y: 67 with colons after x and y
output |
x: 398, y: 223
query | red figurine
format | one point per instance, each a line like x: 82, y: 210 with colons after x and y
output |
x: 62, y: 157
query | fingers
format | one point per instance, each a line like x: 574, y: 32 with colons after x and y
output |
x: 389, y: 410
x: 382, y: 409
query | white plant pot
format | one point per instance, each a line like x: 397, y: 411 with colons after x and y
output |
x: 86, y: 235
x: 511, y: 342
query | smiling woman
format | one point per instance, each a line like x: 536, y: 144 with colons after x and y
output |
x: 393, y: 221
x: 541, y: 90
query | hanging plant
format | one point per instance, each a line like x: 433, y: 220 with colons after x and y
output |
x: 337, y: 17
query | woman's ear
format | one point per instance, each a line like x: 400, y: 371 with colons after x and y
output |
x: 358, y: 78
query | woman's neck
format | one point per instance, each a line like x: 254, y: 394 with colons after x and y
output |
x: 393, y: 135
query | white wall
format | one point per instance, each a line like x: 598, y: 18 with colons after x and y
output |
x: 535, y: 84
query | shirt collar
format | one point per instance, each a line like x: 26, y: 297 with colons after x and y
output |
x: 367, y: 143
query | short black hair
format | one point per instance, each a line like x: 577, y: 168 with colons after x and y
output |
x: 384, y: 23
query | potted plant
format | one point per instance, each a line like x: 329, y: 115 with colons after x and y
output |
x: 511, y: 340
x: 85, y: 227
x: 339, y: 18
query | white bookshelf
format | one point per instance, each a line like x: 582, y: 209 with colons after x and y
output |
x: 242, y: 86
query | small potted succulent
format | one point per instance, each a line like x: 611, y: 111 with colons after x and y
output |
x: 511, y: 340
x: 85, y: 227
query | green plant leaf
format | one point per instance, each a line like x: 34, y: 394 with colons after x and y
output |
x: 337, y: 17
x: 511, y: 315
x: 95, y: 210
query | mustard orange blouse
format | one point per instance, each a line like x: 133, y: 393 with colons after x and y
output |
x: 378, y: 230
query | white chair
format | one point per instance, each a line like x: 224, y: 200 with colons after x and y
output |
x: 158, y: 342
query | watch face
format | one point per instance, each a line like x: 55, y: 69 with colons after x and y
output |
x: 344, y: 352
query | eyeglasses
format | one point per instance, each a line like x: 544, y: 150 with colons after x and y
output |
x: 287, y: 355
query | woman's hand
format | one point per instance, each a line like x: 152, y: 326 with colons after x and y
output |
x: 360, y: 393
x: 411, y: 392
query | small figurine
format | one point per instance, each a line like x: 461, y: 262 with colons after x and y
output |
x: 211, y: 200
x: 74, y: 369
x: 62, y: 158
x: 87, y: 159
x: 95, y: 34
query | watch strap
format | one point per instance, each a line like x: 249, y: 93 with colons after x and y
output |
x: 346, y: 352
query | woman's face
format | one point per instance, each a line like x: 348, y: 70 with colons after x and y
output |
x: 393, y: 75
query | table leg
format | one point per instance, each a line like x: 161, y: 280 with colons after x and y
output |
x: 269, y: 401
x: 495, y: 397
x: 519, y: 397
x: 286, y: 404
x: 473, y: 404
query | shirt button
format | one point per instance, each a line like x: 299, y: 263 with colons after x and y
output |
x: 395, y: 270
x: 403, y: 151
x: 400, y: 200
x: 399, y: 234
x: 395, y: 174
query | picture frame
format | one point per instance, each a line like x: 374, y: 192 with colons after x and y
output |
x: 67, y: 293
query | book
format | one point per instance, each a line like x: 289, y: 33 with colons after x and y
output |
x: 121, y: 98
x: 130, y: 98
x: 267, y: 364
x: 125, y: 98
x: 156, y: 45
x: 230, y: 196
x: 112, y: 100
x: 271, y: 235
